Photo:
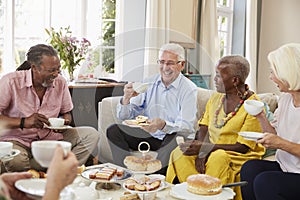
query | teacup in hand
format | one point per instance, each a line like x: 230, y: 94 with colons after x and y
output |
x: 56, y: 122
x: 253, y: 107
x: 5, y: 148
x: 140, y: 87
x: 43, y: 150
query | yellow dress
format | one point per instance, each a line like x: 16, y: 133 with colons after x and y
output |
x: 223, y: 164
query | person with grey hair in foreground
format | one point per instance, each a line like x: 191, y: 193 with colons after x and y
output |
x: 279, y: 179
x: 61, y: 172
x: 169, y: 103
x: 28, y: 99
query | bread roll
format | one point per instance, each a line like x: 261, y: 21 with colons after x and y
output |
x: 203, y: 184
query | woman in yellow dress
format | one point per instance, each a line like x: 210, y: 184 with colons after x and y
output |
x: 218, y: 150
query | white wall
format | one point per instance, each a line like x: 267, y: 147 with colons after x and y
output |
x: 280, y: 24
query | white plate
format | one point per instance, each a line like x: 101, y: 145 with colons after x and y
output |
x: 12, y: 154
x: 180, y: 191
x: 35, y: 187
x: 93, y: 169
x: 59, y: 128
x: 248, y: 135
x: 162, y: 186
x: 131, y: 125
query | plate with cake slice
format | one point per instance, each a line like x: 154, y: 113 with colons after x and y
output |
x: 106, y: 173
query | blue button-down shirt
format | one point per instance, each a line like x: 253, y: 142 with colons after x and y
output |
x: 176, y: 104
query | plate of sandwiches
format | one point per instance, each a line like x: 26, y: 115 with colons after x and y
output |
x: 106, y: 173
x: 138, y: 122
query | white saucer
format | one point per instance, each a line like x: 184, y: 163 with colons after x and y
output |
x: 180, y: 191
x: 64, y: 127
x: 248, y: 135
x: 12, y: 154
x: 33, y: 187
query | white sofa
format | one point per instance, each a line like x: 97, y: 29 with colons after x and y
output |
x: 107, y: 116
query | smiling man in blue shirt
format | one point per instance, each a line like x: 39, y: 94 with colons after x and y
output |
x: 169, y: 103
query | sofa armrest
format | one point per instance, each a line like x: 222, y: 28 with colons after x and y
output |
x: 106, y: 117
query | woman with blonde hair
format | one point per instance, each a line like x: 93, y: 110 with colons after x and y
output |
x: 278, y: 179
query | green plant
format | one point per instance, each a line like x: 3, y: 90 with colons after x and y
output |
x: 108, y: 35
x: 71, y: 50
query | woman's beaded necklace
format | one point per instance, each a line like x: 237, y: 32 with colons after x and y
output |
x: 231, y: 114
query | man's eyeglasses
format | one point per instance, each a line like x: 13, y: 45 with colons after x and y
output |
x: 168, y: 63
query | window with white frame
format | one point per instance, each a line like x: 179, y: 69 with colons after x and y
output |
x: 225, y: 21
x: 23, y: 23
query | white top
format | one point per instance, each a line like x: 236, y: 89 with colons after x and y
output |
x: 286, y: 123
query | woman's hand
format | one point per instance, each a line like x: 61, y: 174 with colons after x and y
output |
x: 271, y: 140
x: 200, y: 164
x: 9, y: 180
x: 191, y: 147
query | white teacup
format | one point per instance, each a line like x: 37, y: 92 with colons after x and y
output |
x: 56, y: 122
x: 140, y: 87
x: 253, y: 107
x: 43, y: 150
x: 5, y: 148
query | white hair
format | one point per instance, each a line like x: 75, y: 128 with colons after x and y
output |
x: 285, y: 63
x: 174, y: 48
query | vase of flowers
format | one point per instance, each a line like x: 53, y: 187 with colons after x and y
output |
x: 71, y: 50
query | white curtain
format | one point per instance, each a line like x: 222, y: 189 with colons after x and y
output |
x: 251, y: 41
x: 209, y: 40
x: 157, y: 26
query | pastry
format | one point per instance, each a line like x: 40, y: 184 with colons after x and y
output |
x: 203, y: 184
x: 35, y: 174
x: 146, y: 163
